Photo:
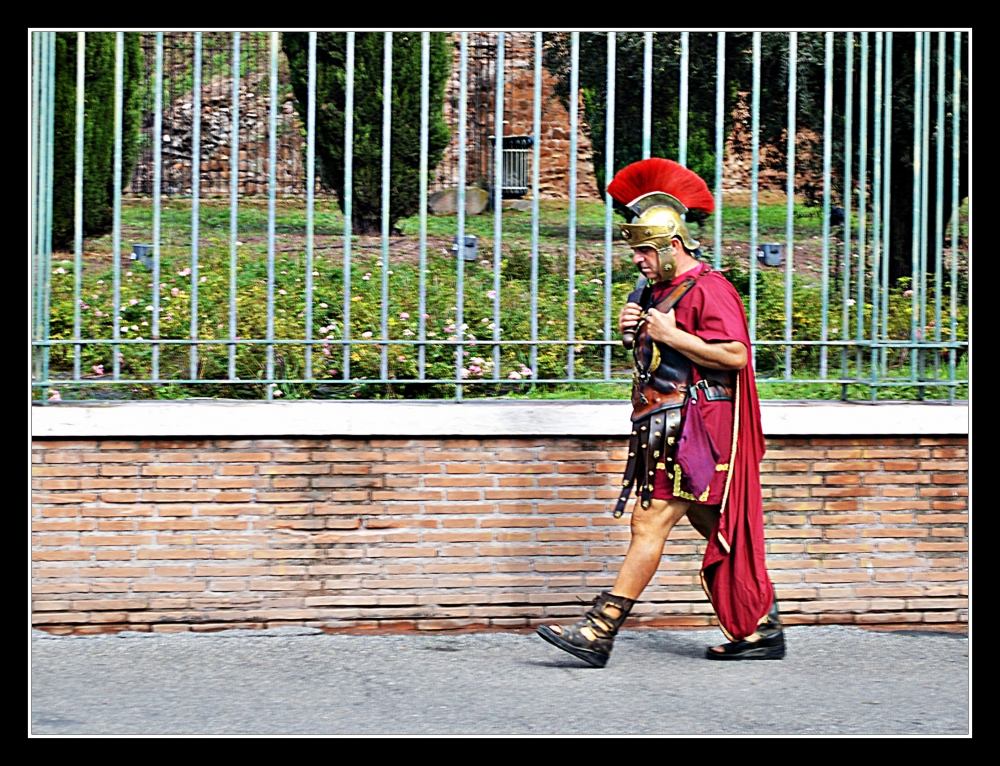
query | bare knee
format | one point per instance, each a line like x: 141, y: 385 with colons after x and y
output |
x: 658, y: 519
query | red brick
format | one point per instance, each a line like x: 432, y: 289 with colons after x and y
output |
x: 177, y: 470
x: 949, y: 505
x: 895, y: 532
x: 846, y: 465
x: 896, y: 478
x: 944, y: 491
x: 944, y: 465
x: 830, y: 518
x: 63, y: 470
x: 943, y: 518
x: 942, y: 547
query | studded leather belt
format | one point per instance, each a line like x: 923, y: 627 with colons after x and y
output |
x: 653, y: 440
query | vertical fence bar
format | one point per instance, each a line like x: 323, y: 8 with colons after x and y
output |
x: 924, y: 208
x: 859, y: 301
x: 348, y: 197
x: 310, y: 198
x: 955, y: 155
x: 754, y: 176
x: 497, y: 204
x: 81, y: 50
x: 793, y: 64
x: 720, y: 90
x: 647, y: 95
x: 116, y: 235
x: 272, y: 155
x: 36, y: 261
x: 827, y: 148
x: 877, y: 242
x: 918, y: 113
x: 157, y: 191
x: 682, y: 150
x: 939, y: 132
x: 234, y: 197
x: 535, y: 178
x: 48, y: 126
x: 887, y: 192
x: 36, y: 250
x: 574, y: 108
x: 386, y: 180
x: 425, y: 69
x: 460, y: 251
x: 196, y: 196
x: 848, y: 161
x: 609, y: 166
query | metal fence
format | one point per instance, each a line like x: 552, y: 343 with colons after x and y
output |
x: 875, y: 356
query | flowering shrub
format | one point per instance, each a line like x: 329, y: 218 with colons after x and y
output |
x: 398, y: 352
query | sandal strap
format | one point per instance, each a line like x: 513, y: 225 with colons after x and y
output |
x: 602, y: 623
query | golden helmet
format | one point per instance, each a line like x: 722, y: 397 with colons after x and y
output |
x: 660, y: 192
x: 660, y: 219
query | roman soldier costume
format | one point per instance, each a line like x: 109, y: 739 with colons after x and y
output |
x: 695, y: 432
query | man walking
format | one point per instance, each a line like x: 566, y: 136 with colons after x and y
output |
x: 696, y: 441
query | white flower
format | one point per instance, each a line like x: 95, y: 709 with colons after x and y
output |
x: 514, y: 375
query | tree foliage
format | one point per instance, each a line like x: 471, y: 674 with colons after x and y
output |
x: 98, y: 130
x: 331, y: 57
x: 773, y: 94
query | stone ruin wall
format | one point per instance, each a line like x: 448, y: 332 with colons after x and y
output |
x: 290, y: 172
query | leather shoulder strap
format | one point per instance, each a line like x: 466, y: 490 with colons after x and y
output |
x: 672, y: 298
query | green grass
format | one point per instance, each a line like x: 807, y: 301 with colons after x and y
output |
x: 404, y: 280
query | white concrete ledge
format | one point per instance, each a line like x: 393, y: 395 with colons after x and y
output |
x: 471, y: 418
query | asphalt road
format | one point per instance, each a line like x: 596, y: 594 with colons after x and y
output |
x: 834, y: 681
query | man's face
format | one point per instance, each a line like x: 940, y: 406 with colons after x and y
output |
x: 648, y: 261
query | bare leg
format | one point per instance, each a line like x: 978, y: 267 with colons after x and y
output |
x: 650, y: 529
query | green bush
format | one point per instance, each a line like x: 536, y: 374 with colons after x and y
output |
x: 98, y: 130
x: 331, y: 58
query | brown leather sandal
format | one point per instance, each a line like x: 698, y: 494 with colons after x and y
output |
x: 596, y: 651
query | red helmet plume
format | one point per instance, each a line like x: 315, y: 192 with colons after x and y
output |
x: 660, y: 175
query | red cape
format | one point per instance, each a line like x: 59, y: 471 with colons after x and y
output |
x: 733, y: 572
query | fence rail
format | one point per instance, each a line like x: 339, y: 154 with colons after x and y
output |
x: 859, y: 313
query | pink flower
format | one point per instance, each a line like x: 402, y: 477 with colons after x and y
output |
x: 54, y: 395
x: 282, y: 292
x: 404, y: 315
x: 465, y: 372
x: 908, y: 293
x: 174, y: 291
x: 491, y: 294
x: 184, y: 273
x: 98, y: 369
x: 203, y: 279
x: 514, y: 375
x: 133, y: 301
x: 401, y: 358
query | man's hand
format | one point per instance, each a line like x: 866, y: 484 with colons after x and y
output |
x: 629, y: 316
x: 718, y: 355
x: 661, y: 326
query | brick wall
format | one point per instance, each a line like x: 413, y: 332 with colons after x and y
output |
x: 466, y: 534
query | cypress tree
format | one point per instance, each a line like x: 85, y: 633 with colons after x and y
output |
x: 98, y: 130
x: 331, y: 59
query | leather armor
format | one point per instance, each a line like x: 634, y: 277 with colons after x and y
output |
x: 661, y: 383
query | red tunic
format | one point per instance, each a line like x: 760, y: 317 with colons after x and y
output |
x: 733, y: 572
x: 713, y: 311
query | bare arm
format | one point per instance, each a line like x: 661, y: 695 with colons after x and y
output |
x: 725, y: 355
